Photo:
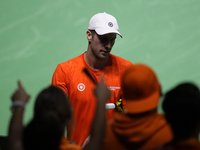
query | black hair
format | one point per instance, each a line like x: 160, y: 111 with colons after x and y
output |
x: 93, y: 32
x: 53, y: 99
x: 43, y: 132
x: 182, y: 110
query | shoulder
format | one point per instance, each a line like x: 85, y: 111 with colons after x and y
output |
x: 72, y: 63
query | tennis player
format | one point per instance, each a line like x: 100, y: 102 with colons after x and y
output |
x: 101, y: 34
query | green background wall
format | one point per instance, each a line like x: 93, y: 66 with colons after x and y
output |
x: 37, y: 35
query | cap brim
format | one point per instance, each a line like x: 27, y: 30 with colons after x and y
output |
x: 142, y: 105
x: 102, y: 31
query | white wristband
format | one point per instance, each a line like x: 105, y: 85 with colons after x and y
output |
x: 110, y: 106
x: 17, y: 103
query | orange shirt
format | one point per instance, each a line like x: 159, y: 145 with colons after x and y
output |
x: 70, y: 77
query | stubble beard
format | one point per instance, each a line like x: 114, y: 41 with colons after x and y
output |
x: 101, y: 55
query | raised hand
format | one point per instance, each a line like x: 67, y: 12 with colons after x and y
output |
x: 102, y: 91
x: 20, y: 94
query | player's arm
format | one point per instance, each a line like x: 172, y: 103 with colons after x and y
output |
x: 99, y: 122
x: 19, y: 99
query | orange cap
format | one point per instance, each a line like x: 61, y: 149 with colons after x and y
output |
x: 141, y: 89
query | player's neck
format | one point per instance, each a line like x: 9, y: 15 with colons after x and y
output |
x: 93, y: 62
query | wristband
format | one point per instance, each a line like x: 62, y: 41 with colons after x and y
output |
x: 17, y: 103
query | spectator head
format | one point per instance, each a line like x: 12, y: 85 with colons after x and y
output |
x: 141, y: 89
x: 182, y: 110
x: 53, y: 99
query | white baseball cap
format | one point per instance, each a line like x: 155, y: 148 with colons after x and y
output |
x: 104, y: 23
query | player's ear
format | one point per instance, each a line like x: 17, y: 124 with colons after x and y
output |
x: 89, y: 35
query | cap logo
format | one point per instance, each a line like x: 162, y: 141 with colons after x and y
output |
x: 110, y: 24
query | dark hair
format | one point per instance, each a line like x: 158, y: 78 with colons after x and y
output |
x: 93, y: 32
x: 53, y: 99
x: 43, y: 132
x: 182, y: 110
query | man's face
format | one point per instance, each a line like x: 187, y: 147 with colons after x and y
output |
x: 101, y: 45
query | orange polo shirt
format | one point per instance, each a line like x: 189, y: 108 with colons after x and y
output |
x: 70, y: 77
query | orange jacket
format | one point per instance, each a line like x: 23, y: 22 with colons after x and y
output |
x: 144, y: 133
x: 70, y: 77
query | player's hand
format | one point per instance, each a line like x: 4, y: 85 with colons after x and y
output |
x: 20, y: 94
x: 102, y: 91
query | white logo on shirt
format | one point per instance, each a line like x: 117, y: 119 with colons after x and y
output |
x: 113, y: 88
x: 81, y: 87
